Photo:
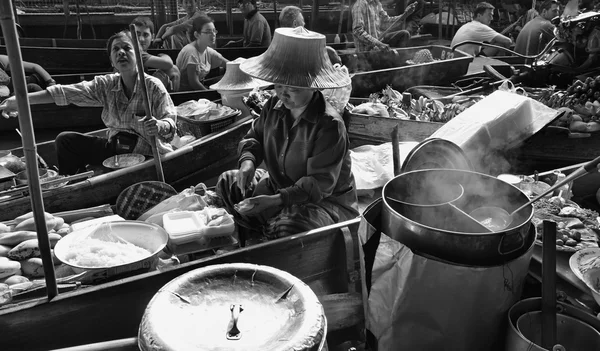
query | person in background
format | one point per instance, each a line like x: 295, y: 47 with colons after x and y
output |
x: 302, y: 140
x: 370, y: 21
x: 167, y: 72
x: 257, y: 31
x: 197, y: 58
x: 129, y: 129
x: 539, y: 31
x: 37, y: 77
x: 291, y: 17
x: 479, y: 30
x: 176, y: 34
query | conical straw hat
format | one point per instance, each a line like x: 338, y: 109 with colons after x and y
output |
x: 235, y: 80
x: 296, y: 57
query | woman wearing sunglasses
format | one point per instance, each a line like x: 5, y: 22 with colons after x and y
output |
x: 197, y: 59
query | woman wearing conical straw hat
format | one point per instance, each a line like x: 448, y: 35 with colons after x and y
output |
x: 302, y: 141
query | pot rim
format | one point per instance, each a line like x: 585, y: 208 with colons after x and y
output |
x: 505, y: 230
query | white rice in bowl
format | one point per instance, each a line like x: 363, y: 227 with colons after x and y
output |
x: 94, y: 253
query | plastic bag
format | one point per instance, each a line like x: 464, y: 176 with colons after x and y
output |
x: 338, y: 98
x: 186, y: 200
x: 509, y: 87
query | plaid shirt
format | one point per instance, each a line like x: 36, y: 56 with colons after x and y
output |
x: 121, y: 114
x: 369, y: 20
x: 308, y: 159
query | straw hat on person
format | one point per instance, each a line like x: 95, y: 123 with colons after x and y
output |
x: 236, y: 80
x: 296, y: 57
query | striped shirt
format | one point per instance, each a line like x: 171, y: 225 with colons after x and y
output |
x: 119, y: 113
x: 369, y: 20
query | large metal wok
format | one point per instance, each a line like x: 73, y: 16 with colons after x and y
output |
x: 422, y: 210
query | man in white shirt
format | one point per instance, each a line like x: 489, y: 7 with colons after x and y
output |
x: 478, y: 30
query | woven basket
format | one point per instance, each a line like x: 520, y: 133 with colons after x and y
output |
x: 186, y: 125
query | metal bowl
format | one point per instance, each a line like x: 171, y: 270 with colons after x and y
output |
x: 145, y: 235
x: 123, y: 161
x: 21, y: 177
x: 571, y: 333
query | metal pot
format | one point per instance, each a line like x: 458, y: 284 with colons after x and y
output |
x: 515, y: 341
x: 237, y: 306
x: 448, y: 232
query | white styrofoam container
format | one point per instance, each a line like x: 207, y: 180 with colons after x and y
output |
x: 184, y: 226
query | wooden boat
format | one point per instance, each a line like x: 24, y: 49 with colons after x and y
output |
x: 195, y: 160
x: 57, y: 60
x: 203, y: 159
x: 76, y: 60
x: 318, y: 257
x: 373, y: 71
x: 51, y: 116
x: 325, y: 259
x: 345, y: 40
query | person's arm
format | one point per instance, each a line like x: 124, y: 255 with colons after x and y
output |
x: 193, y: 79
x: 162, y: 62
x: 9, y: 106
x: 358, y: 27
x: 216, y: 59
x: 251, y: 146
x: 323, y: 167
x: 164, y: 111
x: 30, y: 68
x: 181, y: 25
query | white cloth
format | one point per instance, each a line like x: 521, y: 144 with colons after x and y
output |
x: 475, y: 31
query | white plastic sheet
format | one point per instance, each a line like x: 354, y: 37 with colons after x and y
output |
x: 418, y: 303
x: 499, y: 122
x: 373, y: 166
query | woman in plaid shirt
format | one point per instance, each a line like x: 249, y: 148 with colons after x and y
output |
x: 129, y: 129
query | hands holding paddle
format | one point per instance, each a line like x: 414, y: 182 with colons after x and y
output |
x: 153, y: 126
x: 9, y: 107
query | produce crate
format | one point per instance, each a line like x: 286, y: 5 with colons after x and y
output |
x: 186, y: 125
x: 373, y: 71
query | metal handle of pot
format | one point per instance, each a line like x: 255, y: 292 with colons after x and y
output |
x: 522, y: 240
x: 234, y: 333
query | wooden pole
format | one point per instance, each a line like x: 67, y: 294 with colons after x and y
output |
x: 440, y: 19
x: 276, y: 21
x: 7, y: 22
x: 314, y: 15
x: 229, y: 15
x: 162, y: 16
x: 549, y: 285
x: 142, y: 81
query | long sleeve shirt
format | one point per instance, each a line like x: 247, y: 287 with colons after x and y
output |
x: 257, y: 31
x: 369, y: 20
x: 308, y: 158
x: 119, y: 113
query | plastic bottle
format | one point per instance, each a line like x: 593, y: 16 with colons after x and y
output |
x: 337, y: 40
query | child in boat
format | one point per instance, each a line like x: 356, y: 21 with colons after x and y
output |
x: 37, y: 77
x: 129, y: 129
x: 301, y: 139
x: 197, y: 59
x: 166, y: 71
x: 177, y: 34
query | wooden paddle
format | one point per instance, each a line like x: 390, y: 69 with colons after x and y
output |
x: 140, y: 67
x: 7, y: 22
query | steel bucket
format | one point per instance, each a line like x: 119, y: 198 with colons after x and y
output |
x: 515, y: 341
x: 448, y: 232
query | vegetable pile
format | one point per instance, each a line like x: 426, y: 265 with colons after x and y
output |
x: 389, y: 103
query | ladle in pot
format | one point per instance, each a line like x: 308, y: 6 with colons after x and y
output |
x: 502, y: 214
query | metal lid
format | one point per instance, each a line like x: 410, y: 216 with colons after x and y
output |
x: 436, y: 153
x: 198, y: 311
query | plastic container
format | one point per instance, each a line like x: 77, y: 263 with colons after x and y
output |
x: 183, y: 227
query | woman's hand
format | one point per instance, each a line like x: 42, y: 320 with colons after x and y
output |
x: 254, y: 205
x: 245, y: 175
x: 152, y: 126
x: 9, y: 107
